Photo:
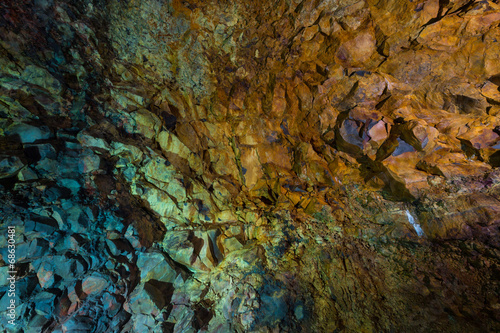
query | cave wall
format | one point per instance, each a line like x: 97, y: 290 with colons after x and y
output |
x: 282, y: 166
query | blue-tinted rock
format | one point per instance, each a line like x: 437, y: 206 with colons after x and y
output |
x: 144, y: 323
x: 45, y: 150
x: 43, y: 225
x: 402, y: 148
x: 111, y: 304
x: 77, y: 325
x: 71, y: 184
x: 9, y: 166
x: 75, y: 217
x: 27, y: 174
x: 41, y: 77
x: 89, y: 163
x: 141, y: 303
x: 154, y: 266
x: 48, y: 168
x: 28, y: 251
x: 45, y: 274
x: 182, y: 316
x: 4, y: 274
x: 36, y: 324
x: 44, y: 304
x: 28, y: 133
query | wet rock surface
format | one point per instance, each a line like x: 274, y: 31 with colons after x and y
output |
x: 189, y: 166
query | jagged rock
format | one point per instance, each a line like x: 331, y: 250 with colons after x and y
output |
x: 28, y: 133
x: 147, y: 123
x: 45, y: 274
x: 251, y: 168
x: 182, y: 316
x: 76, y: 219
x: 153, y: 266
x: 94, y: 284
x: 160, y: 202
x: 45, y: 303
x: 45, y: 150
x: 36, y: 323
x: 75, y: 324
x: 41, y: 77
x: 111, y: 304
x: 231, y: 244
x: 132, y: 153
x: 420, y: 136
x: 472, y: 213
x: 149, y: 299
x: 26, y: 174
x: 89, y: 163
x: 448, y: 164
x: 9, y: 166
x: 87, y: 140
x: 189, y: 167
x: 356, y: 51
x: 478, y: 138
x: 4, y: 274
x: 48, y: 168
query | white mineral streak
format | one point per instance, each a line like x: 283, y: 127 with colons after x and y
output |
x: 415, y: 224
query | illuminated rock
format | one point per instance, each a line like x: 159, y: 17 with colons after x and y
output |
x: 315, y: 166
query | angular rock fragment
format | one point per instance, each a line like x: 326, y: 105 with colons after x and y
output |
x: 9, y: 166
x: 28, y: 133
x: 94, y: 284
x: 154, y: 266
x: 45, y: 274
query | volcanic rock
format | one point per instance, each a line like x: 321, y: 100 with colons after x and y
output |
x: 187, y: 166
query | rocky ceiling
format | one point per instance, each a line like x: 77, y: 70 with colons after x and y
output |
x: 270, y: 166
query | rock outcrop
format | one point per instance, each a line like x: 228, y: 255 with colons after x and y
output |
x: 199, y: 166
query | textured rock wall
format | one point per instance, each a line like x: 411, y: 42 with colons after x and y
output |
x: 285, y: 166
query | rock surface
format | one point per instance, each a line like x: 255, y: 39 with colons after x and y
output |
x: 191, y: 166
